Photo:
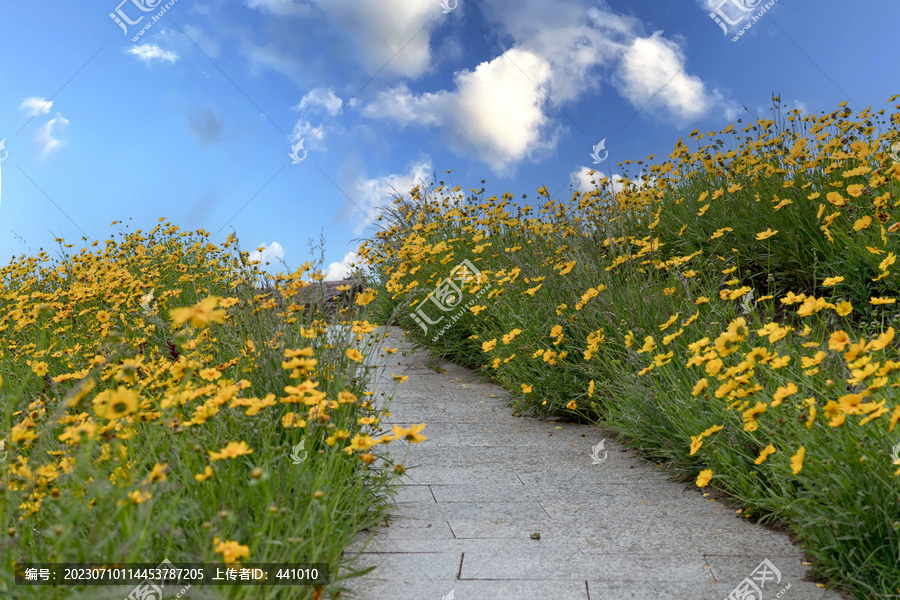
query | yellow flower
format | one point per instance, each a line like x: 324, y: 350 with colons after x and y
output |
x: 734, y: 334
x: 292, y: 420
x: 838, y: 341
x: 832, y: 280
x: 412, y: 434
x: 812, y: 361
x: 200, y: 315
x: 477, y: 309
x: 835, y: 413
x: 208, y: 472
x: 762, y: 235
x: 882, y: 340
x: 714, y: 366
x: 774, y: 332
x: 210, y: 374
x: 649, y: 345
x: 116, y: 403
x: 711, y: 430
x: 526, y: 389
x: 591, y: 389
x: 231, y: 551
x: 488, y: 346
x: 231, y: 450
x: 750, y: 415
x: 40, y: 368
x: 158, y: 473
x: 797, y: 460
x: 138, y: 496
x: 812, y: 305
x: 835, y: 198
x: 770, y: 449
x: 668, y: 323
x: 365, y: 297
x: 876, y: 301
x: 567, y: 267
x: 783, y: 392
x: 704, y: 477
x: 338, y: 435
x: 662, y: 359
x: 511, y: 336
x: 811, y: 402
x: 696, y: 442
x: 862, y: 223
x: 856, y: 190
x: 850, y: 403
x: 354, y: 355
x: 571, y: 405
x: 701, y: 385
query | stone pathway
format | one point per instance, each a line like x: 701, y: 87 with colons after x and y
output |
x: 485, y: 484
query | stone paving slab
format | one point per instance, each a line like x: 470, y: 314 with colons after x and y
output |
x: 544, y: 566
x: 561, y: 544
x: 480, y: 590
x: 485, y: 481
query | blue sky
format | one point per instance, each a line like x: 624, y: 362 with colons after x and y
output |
x: 195, y: 118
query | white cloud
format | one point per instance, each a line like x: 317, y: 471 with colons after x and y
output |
x: 496, y: 111
x: 500, y: 112
x: 652, y: 76
x: 337, y: 271
x: 304, y: 130
x: 576, y: 40
x: 583, y: 181
x: 35, y: 106
x: 44, y: 136
x: 315, y: 102
x: 270, y: 254
x: 319, y: 98
x: 371, y: 195
x: 508, y: 108
x: 403, y: 107
x: 389, y: 34
x: 151, y: 52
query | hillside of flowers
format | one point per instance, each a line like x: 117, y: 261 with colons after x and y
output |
x: 164, y: 399
x: 730, y: 311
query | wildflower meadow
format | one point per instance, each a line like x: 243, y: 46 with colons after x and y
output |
x: 730, y: 311
x: 165, y: 400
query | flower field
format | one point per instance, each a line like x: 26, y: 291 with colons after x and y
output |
x: 162, y: 399
x: 731, y: 312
